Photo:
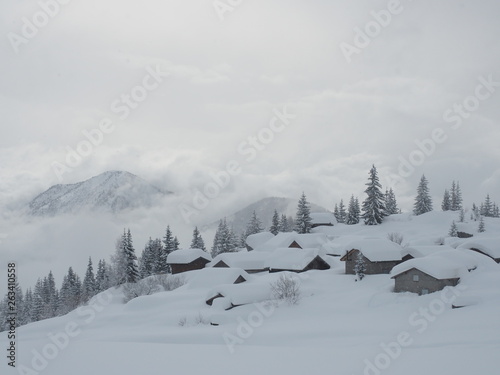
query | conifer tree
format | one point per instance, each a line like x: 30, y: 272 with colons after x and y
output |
x: 461, y: 217
x: 487, y: 207
x: 169, y: 241
x: 176, y: 243
x: 342, y: 212
x: 360, y: 266
x: 148, y: 259
x: 455, y: 197
x: 254, y: 225
x: 303, y: 218
x: 103, y: 276
x: 284, y: 224
x: 352, y: 212
x: 390, y: 202
x: 373, y: 206
x: 336, y: 213
x: 224, y: 241
x: 197, y: 241
x: 119, y: 262
x: 70, y: 294
x: 275, y: 223
x: 446, y: 205
x: 481, y: 228
x: 89, y: 283
x: 453, y: 230
x: 132, y: 271
x: 423, y: 200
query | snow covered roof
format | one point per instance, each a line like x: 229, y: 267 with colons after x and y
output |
x: 257, y: 239
x: 291, y: 259
x: 246, y: 260
x: 185, y: 256
x: 337, y: 245
x: 488, y: 246
x: 210, y: 277
x: 324, y: 218
x: 437, y: 267
x: 280, y: 240
x: 309, y: 240
x: 377, y: 250
x: 444, y: 265
x: 422, y: 251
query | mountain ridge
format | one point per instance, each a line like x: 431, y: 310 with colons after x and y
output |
x: 112, y: 191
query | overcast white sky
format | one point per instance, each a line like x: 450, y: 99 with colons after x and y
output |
x: 227, y: 77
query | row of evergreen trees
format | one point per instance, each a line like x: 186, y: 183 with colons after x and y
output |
x: 45, y: 300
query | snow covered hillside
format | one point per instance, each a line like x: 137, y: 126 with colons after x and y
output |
x: 339, y: 326
x: 111, y: 191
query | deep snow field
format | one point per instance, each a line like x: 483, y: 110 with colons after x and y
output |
x: 339, y: 326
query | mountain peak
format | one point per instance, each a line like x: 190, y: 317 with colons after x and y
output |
x: 111, y: 191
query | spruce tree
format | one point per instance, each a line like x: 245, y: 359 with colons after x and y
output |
x: 225, y: 240
x: 336, y: 213
x: 50, y: 296
x: 89, y: 283
x: 453, y: 230
x: 168, y: 241
x: 197, y: 241
x: 352, y: 212
x: 342, y: 213
x: 70, y: 294
x: 487, y: 207
x: 132, y: 270
x: 461, y: 215
x: 455, y: 197
x: 360, y: 266
x: 446, y: 205
x: 481, y: 228
x: 103, y: 277
x: 119, y: 261
x: 159, y: 257
x: 254, y: 225
x: 284, y: 225
x: 303, y: 218
x: 275, y: 223
x: 423, y: 200
x: 148, y: 259
x: 390, y: 202
x: 373, y: 206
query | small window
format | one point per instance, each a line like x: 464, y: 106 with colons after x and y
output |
x: 416, y: 278
x: 425, y: 291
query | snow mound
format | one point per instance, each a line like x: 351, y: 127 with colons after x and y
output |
x: 488, y: 246
x: 211, y: 277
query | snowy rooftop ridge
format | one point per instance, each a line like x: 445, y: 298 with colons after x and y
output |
x: 183, y: 256
x: 377, y: 249
x: 291, y: 259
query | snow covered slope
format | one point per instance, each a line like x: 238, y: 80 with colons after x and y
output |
x: 339, y: 327
x: 111, y: 191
